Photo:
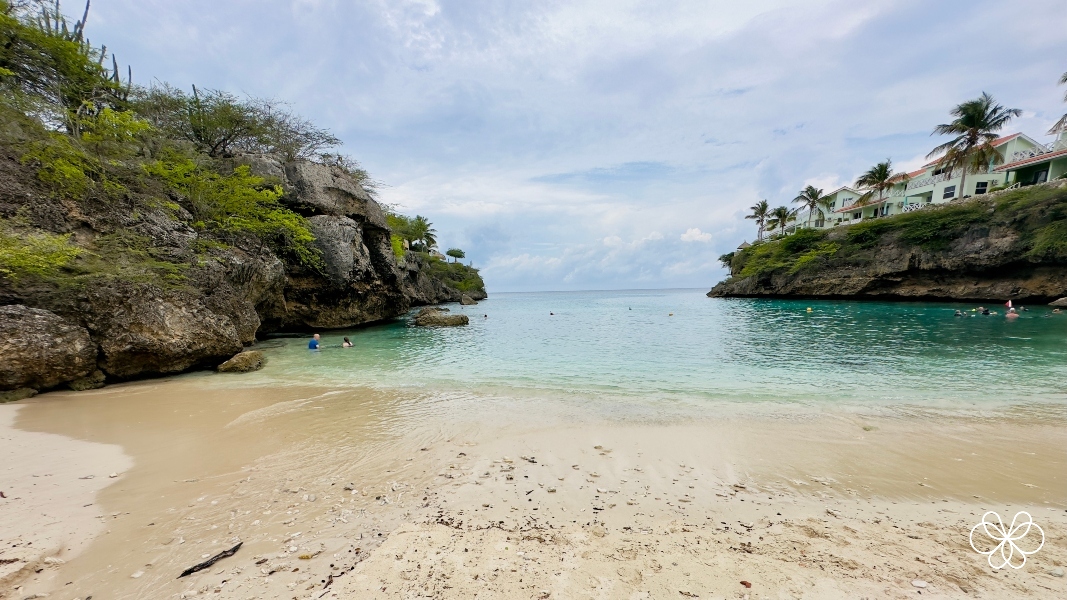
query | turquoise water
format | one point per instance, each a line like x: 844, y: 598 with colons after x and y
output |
x: 623, y: 351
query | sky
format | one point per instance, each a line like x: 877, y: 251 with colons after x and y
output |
x: 606, y: 144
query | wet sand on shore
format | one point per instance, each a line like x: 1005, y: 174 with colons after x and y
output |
x: 366, y: 493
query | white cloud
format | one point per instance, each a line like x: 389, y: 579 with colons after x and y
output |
x: 554, y: 141
x: 694, y: 234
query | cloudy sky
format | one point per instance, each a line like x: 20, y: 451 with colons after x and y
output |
x: 606, y: 144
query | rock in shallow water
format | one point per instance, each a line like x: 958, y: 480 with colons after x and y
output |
x: 244, y: 362
x: 437, y: 318
x: 467, y: 300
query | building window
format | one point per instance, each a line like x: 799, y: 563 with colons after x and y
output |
x: 950, y: 192
x: 833, y: 204
x: 981, y: 187
x: 856, y: 215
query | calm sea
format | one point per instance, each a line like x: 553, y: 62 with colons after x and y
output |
x: 649, y: 354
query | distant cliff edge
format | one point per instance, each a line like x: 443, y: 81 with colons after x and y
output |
x: 1006, y: 245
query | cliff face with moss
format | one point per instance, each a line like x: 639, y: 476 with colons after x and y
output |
x: 146, y: 231
x: 1008, y: 245
x: 152, y: 293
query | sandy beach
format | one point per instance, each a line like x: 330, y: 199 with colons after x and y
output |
x: 351, y: 493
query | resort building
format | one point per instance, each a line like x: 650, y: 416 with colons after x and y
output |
x: 1022, y: 160
x: 1041, y: 163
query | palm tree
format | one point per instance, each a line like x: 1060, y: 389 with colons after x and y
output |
x: 422, y: 231
x: 780, y: 217
x: 810, y: 198
x: 975, y: 127
x: 826, y: 206
x: 1061, y: 126
x: 876, y: 179
x: 760, y: 213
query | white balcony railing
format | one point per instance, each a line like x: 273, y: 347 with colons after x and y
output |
x: 925, y: 181
x: 1059, y: 144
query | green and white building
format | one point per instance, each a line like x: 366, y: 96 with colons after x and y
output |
x: 1039, y: 164
x: 1023, y: 160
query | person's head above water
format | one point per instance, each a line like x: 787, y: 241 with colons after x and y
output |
x: 346, y: 339
x: 316, y: 336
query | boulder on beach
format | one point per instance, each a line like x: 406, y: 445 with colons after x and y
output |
x: 438, y: 318
x: 467, y: 300
x: 1060, y: 302
x: 41, y: 350
x: 244, y: 362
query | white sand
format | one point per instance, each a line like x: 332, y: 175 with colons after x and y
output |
x: 343, y: 496
x: 50, y: 513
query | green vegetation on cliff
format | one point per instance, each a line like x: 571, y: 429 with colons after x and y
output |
x: 454, y: 274
x: 143, y: 165
x: 1035, y: 218
x: 92, y: 140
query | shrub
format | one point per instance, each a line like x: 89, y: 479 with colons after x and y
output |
x: 25, y: 252
x: 239, y: 204
x: 62, y: 165
x: 398, y: 245
x: 814, y: 256
x: 1050, y: 243
x: 935, y: 229
x: 802, y: 240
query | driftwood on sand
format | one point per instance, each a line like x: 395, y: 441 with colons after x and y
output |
x: 214, y: 559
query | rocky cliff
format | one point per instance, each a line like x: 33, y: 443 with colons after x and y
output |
x: 151, y: 293
x: 1008, y: 245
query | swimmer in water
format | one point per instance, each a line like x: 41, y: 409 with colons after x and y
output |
x: 958, y: 313
x: 1012, y: 314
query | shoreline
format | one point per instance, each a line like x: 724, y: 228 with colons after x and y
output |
x: 350, y: 481
x: 1038, y: 301
x: 51, y: 482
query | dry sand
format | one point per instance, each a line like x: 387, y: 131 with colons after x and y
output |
x: 368, y: 494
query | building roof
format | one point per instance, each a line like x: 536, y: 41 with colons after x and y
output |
x: 1000, y: 141
x: 744, y: 245
x: 852, y: 207
x: 1059, y: 127
x: 911, y: 175
x: 1033, y: 160
x: 843, y: 188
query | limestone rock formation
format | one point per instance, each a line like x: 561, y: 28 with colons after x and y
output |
x: 437, y: 318
x: 326, y: 190
x: 218, y: 297
x: 41, y: 350
x: 243, y: 362
x: 145, y: 330
x: 466, y: 300
x: 979, y: 249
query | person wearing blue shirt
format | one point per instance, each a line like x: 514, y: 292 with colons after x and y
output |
x: 314, y: 343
